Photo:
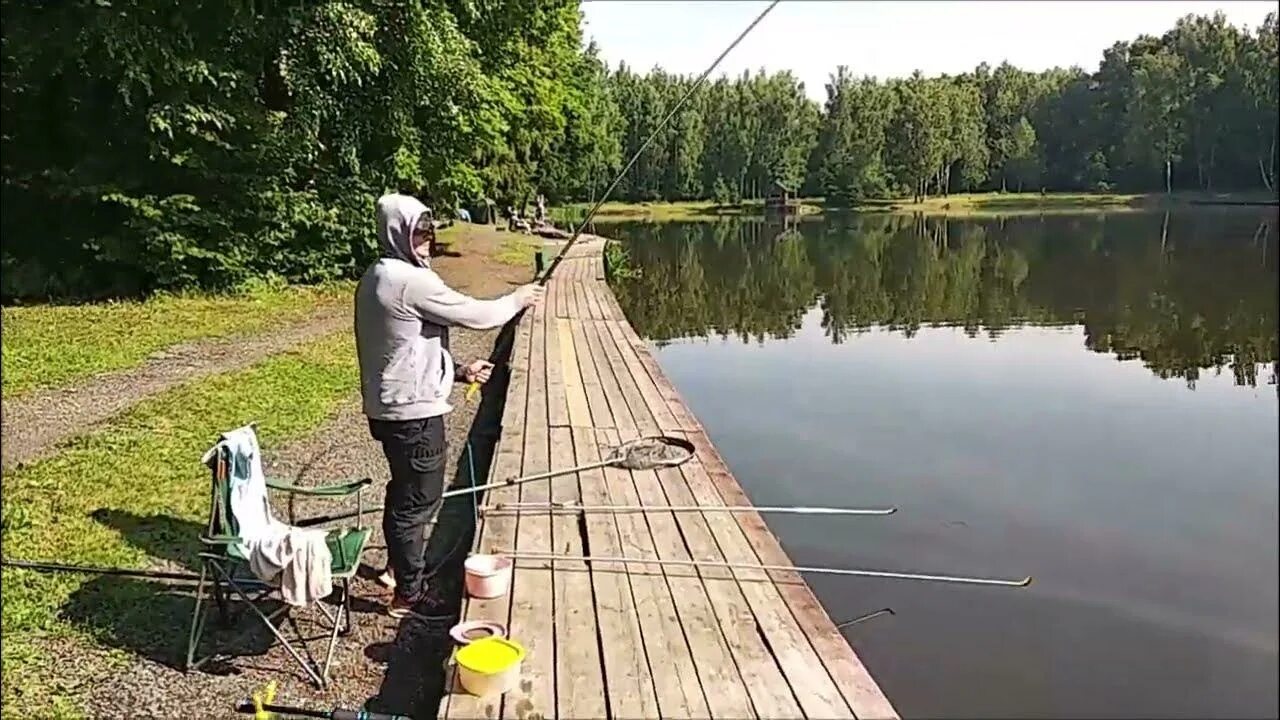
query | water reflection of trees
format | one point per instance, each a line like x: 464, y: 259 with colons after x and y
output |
x: 1183, y: 293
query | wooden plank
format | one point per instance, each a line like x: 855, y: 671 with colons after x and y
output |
x: 498, y: 532
x: 648, y: 390
x: 717, y: 671
x: 513, y: 412
x: 597, y: 405
x: 644, y: 420
x: 804, y: 670
x: 596, y: 402
x: 675, y: 675
x: 569, y: 372
x: 579, y: 672
x: 854, y: 681
x: 560, y: 295
x: 628, y: 680
x: 675, y: 403
x: 771, y: 696
x: 557, y: 402
x: 621, y: 414
x: 532, y: 594
x: 591, y: 300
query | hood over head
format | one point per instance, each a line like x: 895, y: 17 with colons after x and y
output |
x: 397, y: 216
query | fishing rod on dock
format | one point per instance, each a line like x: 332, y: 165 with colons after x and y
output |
x: 248, y: 707
x: 854, y: 572
x: 576, y: 507
x: 645, y: 453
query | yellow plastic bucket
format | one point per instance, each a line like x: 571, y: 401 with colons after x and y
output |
x: 489, y: 666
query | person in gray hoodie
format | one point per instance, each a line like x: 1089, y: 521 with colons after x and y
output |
x: 403, y: 311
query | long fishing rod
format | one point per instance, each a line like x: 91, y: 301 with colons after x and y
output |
x: 958, y: 579
x: 645, y: 453
x: 576, y: 507
x: 92, y: 570
x: 648, y: 141
x: 474, y: 387
x: 247, y: 707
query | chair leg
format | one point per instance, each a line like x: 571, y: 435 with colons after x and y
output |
x: 348, y: 623
x: 338, y: 621
x: 197, y: 619
x: 220, y: 598
x: 288, y: 646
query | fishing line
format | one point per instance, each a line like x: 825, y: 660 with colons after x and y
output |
x: 652, y: 136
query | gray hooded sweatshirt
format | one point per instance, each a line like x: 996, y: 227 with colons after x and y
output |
x: 402, y: 318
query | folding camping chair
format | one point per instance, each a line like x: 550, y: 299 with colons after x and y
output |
x: 225, y: 567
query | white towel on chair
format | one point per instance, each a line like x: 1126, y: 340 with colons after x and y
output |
x: 297, y: 560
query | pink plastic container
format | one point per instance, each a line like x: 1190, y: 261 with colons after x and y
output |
x: 487, y: 576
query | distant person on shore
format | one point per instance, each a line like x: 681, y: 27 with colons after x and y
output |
x: 403, y: 312
x: 515, y: 223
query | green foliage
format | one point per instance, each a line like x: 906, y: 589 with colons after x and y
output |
x: 1204, y: 92
x: 151, y: 144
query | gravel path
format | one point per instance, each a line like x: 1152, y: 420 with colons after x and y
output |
x: 395, y: 666
x: 34, y: 424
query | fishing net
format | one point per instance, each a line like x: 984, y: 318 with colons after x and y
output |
x: 649, y: 453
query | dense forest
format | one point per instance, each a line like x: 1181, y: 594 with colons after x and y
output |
x: 1194, y: 109
x: 1184, y: 293
x: 158, y: 144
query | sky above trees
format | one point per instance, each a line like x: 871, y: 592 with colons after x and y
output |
x: 883, y: 39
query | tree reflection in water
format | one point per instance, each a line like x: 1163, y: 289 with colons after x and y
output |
x: 1184, y: 292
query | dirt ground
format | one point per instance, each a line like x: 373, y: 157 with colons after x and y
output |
x: 392, y: 666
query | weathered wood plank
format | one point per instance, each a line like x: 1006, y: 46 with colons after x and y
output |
x: 532, y: 596
x: 557, y: 402
x: 647, y: 388
x: 855, y: 683
x: 634, y: 401
x: 675, y: 403
x: 499, y: 532
x: 717, y: 671
x: 628, y: 679
x: 571, y: 375
x: 597, y: 405
x: 675, y: 674
x: 617, y: 406
x: 813, y: 687
x: 579, y: 677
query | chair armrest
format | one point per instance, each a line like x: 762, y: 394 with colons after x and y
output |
x: 335, y: 490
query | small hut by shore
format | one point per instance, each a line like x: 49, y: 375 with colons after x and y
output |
x: 781, y: 200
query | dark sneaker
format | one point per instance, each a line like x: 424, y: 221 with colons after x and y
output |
x: 387, y: 579
x: 429, y: 606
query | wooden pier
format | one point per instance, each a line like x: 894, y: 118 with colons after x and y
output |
x: 639, y: 640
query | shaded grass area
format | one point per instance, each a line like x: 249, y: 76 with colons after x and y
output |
x: 130, y: 495
x: 515, y: 249
x: 518, y: 250
x: 54, y: 345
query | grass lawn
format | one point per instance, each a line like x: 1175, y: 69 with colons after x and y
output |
x: 129, y: 492
x: 54, y: 345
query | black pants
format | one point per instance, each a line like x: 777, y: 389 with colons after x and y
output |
x: 415, y: 450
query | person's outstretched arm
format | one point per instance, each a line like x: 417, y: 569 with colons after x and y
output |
x: 430, y: 296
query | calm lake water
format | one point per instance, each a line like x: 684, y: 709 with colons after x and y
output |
x: 1088, y: 400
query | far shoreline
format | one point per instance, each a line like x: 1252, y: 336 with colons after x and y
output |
x: 959, y: 205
